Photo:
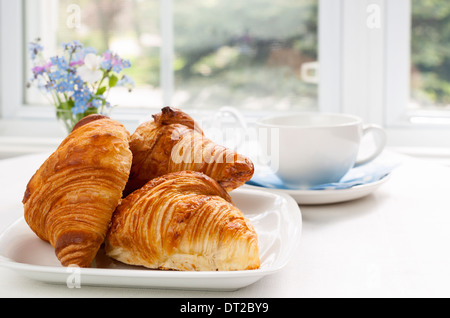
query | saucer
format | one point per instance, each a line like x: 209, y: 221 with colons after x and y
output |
x: 329, y: 196
x: 357, y: 183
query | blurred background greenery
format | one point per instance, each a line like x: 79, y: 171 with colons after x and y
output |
x: 430, y: 53
x: 227, y: 53
x: 247, y: 54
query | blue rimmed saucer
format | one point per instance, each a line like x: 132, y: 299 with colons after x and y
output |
x: 358, y: 183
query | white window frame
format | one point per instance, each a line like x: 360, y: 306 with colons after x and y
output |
x: 408, y: 128
x: 375, y: 77
x: 12, y: 62
x: 11, y: 18
x: 364, y: 71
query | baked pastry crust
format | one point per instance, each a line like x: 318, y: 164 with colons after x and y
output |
x: 182, y: 221
x: 70, y: 200
x: 173, y: 142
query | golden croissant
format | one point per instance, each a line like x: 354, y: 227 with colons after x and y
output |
x: 182, y: 221
x: 173, y: 142
x: 70, y: 200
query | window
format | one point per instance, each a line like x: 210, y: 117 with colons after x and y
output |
x: 254, y: 55
x: 130, y: 28
x: 430, y: 55
x: 386, y: 61
x: 248, y: 54
x: 412, y: 112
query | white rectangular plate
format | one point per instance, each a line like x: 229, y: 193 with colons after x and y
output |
x: 276, y: 217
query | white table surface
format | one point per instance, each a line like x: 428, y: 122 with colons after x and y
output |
x: 392, y: 243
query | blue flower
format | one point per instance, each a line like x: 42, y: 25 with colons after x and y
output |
x: 126, y: 64
x: 73, y: 46
x: 78, y: 82
x: 78, y: 109
x: 127, y: 82
x: 60, y: 62
x: 120, y: 64
x: 81, y: 54
x: 82, y: 96
x: 63, y: 75
x: 50, y: 85
x: 90, y: 50
x: 74, y: 82
x: 81, y: 101
x: 57, y: 75
x: 114, y: 62
x: 62, y: 87
x: 35, y: 49
x: 97, y: 103
x: 117, y: 68
x: 107, y: 64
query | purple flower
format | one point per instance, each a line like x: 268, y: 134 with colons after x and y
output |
x: 107, y: 55
x: 65, y: 76
x: 114, y: 62
x: 38, y: 70
x: 107, y: 64
x: 76, y: 63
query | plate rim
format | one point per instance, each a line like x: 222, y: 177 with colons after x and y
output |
x: 313, y: 194
x: 321, y: 191
x: 352, y: 189
x: 292, y: 209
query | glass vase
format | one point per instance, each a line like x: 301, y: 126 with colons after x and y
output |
x: 67, y: 119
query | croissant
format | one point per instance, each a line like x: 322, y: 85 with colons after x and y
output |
x: 182, y: 221
x: 70, y: 200
x: 173, y: 142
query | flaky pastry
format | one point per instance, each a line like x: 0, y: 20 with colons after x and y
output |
x: 173, y: 142
x: 70, y: 200
x: 182, y: 221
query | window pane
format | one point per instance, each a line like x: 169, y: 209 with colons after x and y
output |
x: 254, y: 54
x: 430, y: 54
x: 129, y: 28
x: 248, y: 54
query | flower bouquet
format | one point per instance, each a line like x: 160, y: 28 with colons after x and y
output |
x: 77, y: 82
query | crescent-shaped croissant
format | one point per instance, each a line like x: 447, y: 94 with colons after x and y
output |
x: 173, y: 142
x: 182, y: 221
x: 70, y: 200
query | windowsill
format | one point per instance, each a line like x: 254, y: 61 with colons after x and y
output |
x: 35, y: 130
x: 27, y: 135
x: 22, y: 137
x: 436, y: 155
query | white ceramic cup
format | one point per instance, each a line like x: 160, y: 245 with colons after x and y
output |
x: 318, y: 148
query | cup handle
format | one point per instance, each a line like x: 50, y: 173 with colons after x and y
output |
x: 310, y: 72
x: 380, y: 143
x: 237, y: 116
